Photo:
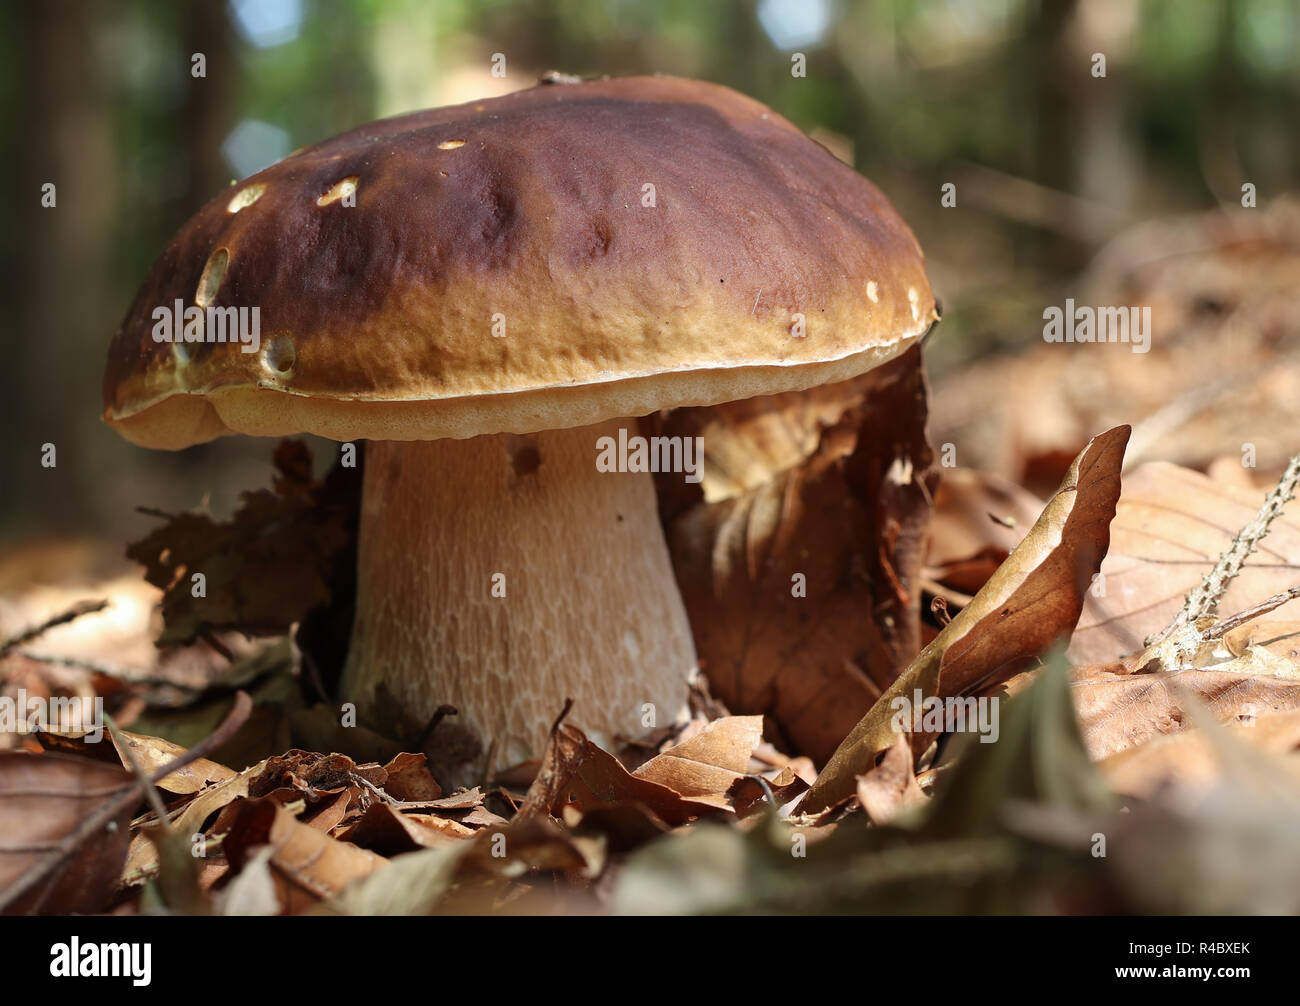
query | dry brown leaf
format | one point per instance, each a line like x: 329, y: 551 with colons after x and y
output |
x: 305, y: 861
x: 316, y: 777
x: 889, y: 788
x: 152, y: 753
x: 575, y: 772
x: 388, y: 832
x: 1032, y: 601
x: 709, y: 763
x: 267, y: 566
x: 142, y: 860
x: 1119, y: 710
x: 1169, y: 530
x: 253, y: 891
x: 407, y: 777
x: 977, y: 520
x: 845, y: 529
x: 1189, y: 760
x: 45, y: 804
x: 975, y: 510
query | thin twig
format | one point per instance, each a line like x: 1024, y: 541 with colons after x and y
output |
x: 129, y: 796
x: 150, y: 790
x: 129, y: 675
x: 1242, y: 617
x: 1204, y: 600
x: 439, y: 714
x: 75, y: 612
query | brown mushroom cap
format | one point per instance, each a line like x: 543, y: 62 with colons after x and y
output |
x: 376, y: 319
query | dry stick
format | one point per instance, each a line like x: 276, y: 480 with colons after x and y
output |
x: 66, y: 847
x: 1204, y: 600
x: 130, y: 675
x: 1242, y: 617
x: 73, y: 613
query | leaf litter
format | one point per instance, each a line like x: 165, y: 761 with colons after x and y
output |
x: 1170, y: 760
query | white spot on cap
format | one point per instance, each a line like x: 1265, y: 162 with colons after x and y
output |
x: 912, y: 298
x: 245, y: 197
x: 873, y: 293
x: 450, y: 144
x: 340, y: 190
x: 213, y: 273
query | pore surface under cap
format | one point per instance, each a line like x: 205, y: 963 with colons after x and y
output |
x: 499, y: 270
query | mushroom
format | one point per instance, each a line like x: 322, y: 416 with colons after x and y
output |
x: 484, y: 292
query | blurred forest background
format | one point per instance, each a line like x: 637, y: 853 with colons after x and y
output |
x: 993, y: 95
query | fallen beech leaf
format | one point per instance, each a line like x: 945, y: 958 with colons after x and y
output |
x: 1188, y: 759
x: 804, y: 593
x: 470, y: 876
x: 1121, y: 710
x: 303, y: 858
x: 889, y: 788
x: 1034, y: 599
x: 388, y: 832
x: 46, y: 802
x: 328, y: 816
x: 709, y: 763
x: 408, y: 778
x: 314, y: 776
x: 266, y: 567
x: 153, y: 753
x: 252, y: 891
x: 142, y: 861
x: 412, y: 884
x: 1225, y: 851
x: 576, y: 772
x: 1170, y: 527
x: 966, y: 544
x: 959, y: 859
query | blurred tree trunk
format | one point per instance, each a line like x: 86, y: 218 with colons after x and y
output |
x: 209, y: 101
x: 51, y: 381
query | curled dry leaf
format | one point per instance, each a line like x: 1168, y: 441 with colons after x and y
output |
x: 47, y: 804
x: 152, y: 753
x: 406, y: 777
x: 576, y: 773
x: 384, y: 830
x: 1170, y: 527
x: 142, y: 861
x: 889, y: 788
x: 266, y: 567
x: 804, y: 593
x: 307, y: 863
x: 710, y: 763
x: 1032, y: 601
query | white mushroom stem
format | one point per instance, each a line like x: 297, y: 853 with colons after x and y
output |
x: 504, y: 586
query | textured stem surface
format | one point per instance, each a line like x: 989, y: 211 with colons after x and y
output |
x: 591, y: 609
